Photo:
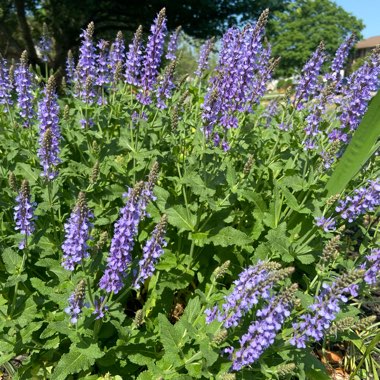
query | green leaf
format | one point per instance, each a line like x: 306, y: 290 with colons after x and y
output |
x: 256, y: 199
x: 279, y: 242
x: 180, y: 218
x: 230, y: 236
x: 197, y: 185
x: 146, y: 375
x: 140, y: 359
x: 11, y: 260
x: 367, y: 353
x: 306, y: 259
x: 358, y: 151
x: 194, y: 370
x: 162, y: 196
x: 291, y: 201
x: 5, y: 358
x: 170, y: 339
x: 76, y: 360
x: 26, y: 171
x: 192, y: 310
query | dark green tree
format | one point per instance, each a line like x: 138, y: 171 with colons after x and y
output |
x: 22, y: 19
x: 296, y: 32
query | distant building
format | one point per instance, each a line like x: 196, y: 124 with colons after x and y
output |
x: 365, y: 46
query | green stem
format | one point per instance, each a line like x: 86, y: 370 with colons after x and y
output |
x: 52, y: 212
x: 13, y: 307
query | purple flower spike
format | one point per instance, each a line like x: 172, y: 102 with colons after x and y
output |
x: 126, y: 229
x: 122, y: 243
x: 76, y: 302
x: 240, y: 80
x: 5, y: 85
x: 86, y: 68
x: 77, y: 234
x: 23, y: 213
x: 363, y: 200
x: 314, y: 119
x: 102, y: 70
x: 308, y: 85
x: 254, y: 283
x: 134, y: 59
x: 325, y: 309
x: 70, y: 67
x: 262, y: 332
x: 46, y: 44
x: 151, y: 252
x: 100, y: 307
x: 117, y: 53
x: 172, y: 46
x: 328, y: 224
x: 373, y: 265
x: 341, y: 56
x: 48, y: 111
x: 270, y: 111
x: 23, y: 80
x: 165, y: 86
x: 48, y: 155
x: 152, y: 59
x: 355, y: 95
x: 203, y: 61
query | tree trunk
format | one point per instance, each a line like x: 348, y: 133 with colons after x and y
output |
x: 25, y: 30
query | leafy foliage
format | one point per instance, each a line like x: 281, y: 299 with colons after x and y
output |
x: 228, y: 213
x: 293, y: 38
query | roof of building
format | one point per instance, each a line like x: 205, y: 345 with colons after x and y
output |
x: 368, y: 43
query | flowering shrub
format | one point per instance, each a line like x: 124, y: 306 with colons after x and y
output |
x: 155, y: 227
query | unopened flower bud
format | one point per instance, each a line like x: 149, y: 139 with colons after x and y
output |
x: 228, y: 376
x: 222, y: 270
x: 285, y: 369
x: 139, y: 318
x: 364, y: 323
x: 248, y: 165
x: 220, y: 337
x: 12, y: 181
x: 66, y: 112
x: 95, y: 172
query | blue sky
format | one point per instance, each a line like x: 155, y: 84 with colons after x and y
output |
x: 368, y: 11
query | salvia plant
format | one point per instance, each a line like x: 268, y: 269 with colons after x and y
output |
x: 157, y: 227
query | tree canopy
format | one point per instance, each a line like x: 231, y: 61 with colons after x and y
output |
x: 296, y: 32
x: 21, y: 20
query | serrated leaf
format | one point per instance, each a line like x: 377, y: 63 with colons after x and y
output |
x: 230, y: 236
x: 306, y: 299
x: 140, y: 359
x: 192, y: 310
x: 76, y: 360
x: 26, y: 171
x: 256, y: 199
x: 40, y: 286
x: 292, y: 202
x: 162, y: 197
x: 180, y: 218
x: 306, y: 259
x: 194, y: 370
x: 12, y: 260
x: 197, y: 185
x: 278, y: 241
x: 170, y: 339
x: 208, y: 353
x: 14, y: 279
x: 146, y: 375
